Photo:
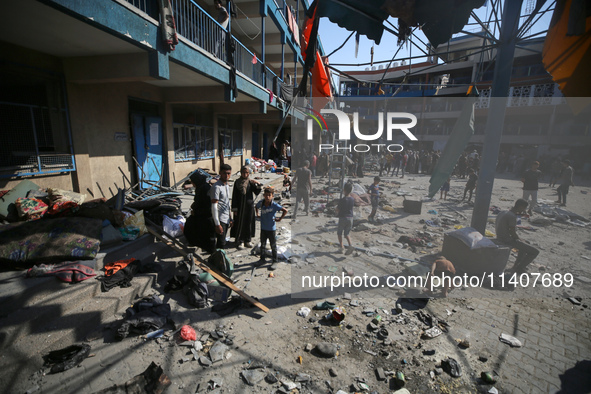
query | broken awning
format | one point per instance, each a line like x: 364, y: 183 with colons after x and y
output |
x: 439, y: 19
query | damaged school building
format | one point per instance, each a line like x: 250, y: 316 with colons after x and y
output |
x: 99, y: 96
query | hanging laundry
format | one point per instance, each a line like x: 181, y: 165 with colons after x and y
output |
x: 169, y: 26
x: 254, y: 59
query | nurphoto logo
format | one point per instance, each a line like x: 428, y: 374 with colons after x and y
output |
x: 392, y: 120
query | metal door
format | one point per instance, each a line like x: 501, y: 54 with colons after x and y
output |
x: 147, y: 137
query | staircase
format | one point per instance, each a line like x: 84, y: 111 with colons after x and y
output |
x: 43, y: 314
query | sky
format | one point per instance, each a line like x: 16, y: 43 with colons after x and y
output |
x: 332, y: 36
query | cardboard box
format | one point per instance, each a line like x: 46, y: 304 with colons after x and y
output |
x: 411, y: 206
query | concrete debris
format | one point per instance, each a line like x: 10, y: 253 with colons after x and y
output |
x: 271, y: 378
x: 433, y: 332
x: 326, y: 349
x: 206, y: 362
x: 510, y: 340
x: 253, y: 376
x: 217, y: 351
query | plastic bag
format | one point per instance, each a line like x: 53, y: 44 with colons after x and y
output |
x: 188, y: 333
x: 137, y: 220
x: 174, y: 227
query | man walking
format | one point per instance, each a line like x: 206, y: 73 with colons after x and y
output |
x: 303, y: 182
x: 220, y: 206
x: 530, y: 185
x: 506, y: 224
x: 566, y: 181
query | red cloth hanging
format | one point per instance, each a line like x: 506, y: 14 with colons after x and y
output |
x: 307, y: 30
x: 320, y: 78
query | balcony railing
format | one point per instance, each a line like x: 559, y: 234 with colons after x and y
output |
x: 244, y: 63
x: 198, y: 26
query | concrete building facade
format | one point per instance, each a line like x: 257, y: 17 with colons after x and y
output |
x: 93, y: 99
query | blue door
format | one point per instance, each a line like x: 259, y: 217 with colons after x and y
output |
x: 147, y: 137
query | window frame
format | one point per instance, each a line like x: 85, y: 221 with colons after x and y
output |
x: 199, y: 138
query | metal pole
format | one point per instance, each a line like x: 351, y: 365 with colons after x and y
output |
x: 496, y: 112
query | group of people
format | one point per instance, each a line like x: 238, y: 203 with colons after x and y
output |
x: 533, y: 175
x: 240, y: 214
x: 408, y: 161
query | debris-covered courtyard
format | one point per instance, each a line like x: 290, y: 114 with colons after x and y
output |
x: 502, y: 339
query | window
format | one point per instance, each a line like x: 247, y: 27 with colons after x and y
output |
x: 192, y: 142
x: 231, y: 141
x: 34, y: 125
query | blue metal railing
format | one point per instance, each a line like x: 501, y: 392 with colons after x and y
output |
x: 244, y: 63
x: 198, y: 26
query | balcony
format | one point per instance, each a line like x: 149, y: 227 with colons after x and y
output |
x: 199, y: 27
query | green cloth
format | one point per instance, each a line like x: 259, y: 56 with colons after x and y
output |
x: 458, y: 140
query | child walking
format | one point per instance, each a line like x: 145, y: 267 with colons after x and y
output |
x: 345, y: 215
x: 268, y: 208
x: 374, y: 192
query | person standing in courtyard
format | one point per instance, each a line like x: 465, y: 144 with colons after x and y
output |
x: 506, y: 225
x: 303, y: 183
x: 470, y: 184
x: 444, y: 189
x: 374, y: 195
x: 243, y: 196
x: 530, y: 181
x: 268, y: 208
x: 345, y: 214
x: 220, y: 206
x: 566, y: 181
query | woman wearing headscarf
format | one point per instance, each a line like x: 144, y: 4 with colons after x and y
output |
x: 243, y: 195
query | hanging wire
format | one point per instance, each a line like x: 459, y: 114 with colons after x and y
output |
x: 342, y: 45
x: 248, y: 19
